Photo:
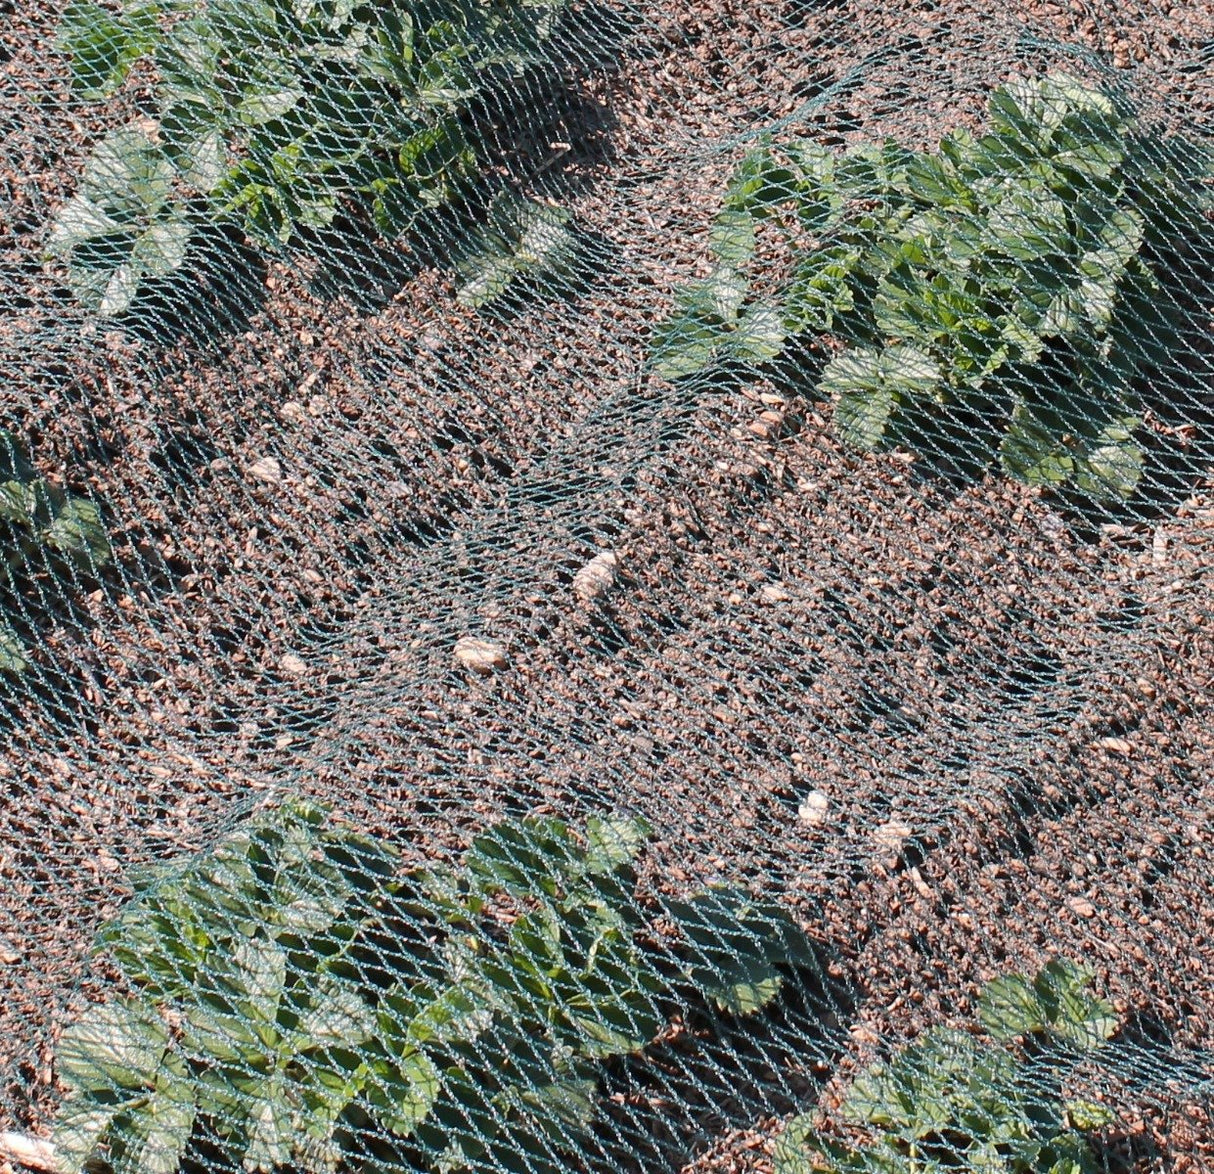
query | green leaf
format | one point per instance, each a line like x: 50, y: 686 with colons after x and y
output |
x: 160, y: 1129
x: 793, y: 1146
x: 614, y: 842
x: 748, y: 995
x: 260, y: 105
x: 270, y: 1130
x: 78, y: 1129
x: 868, y: 384
x: 13, y: 657
x: 760, y: 185
x: 337, y: 1015
x: 567, y: 1103
x: 77, y: 529
x: 733, y: 237
x: 119, y: 1045
x: 461, y: 1012
x: 80, y: 220
x: 525, y: 858
x: 254, y: 975
x: 686, y: 344
x: 404, y: 1097
x: 103, y: 46
x: 760, y: 334
x: 1009, y: 1007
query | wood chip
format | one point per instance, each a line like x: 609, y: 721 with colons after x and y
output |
x: 481, y: 656
x: 33, y: 1152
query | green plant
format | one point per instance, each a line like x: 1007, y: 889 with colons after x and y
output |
x: 950, y: 1101
x: 43, y: 530
x: 298, y: 1000
x: 519, y: 238
x: 276, y: 115
x: 1009, y: 295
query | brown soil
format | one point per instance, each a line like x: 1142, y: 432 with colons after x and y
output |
x: 311, y: 510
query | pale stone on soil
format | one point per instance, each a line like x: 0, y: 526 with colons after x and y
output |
x: 267, y: 469
x: 481, y: 656
x: 596, y: 577
x: 1082, y: 906
x: 892, y: 835
x: 813, y: 809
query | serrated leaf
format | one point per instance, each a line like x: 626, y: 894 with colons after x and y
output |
x: 337, y: 1015
x: 203, y: 161
x: 77, y: 529
x: 1009, y: 1007
x: 1112, y: 467
x: 613, y: 842
x: 102, y: 47
x: 487, y: 278
x: 794, y: 1146
x: 748, y: 995
x: 869, y: 384
x: 13, y: 658
x: 568, y: 1104
x: 460, y: 1012
x: 759, y: 336
x: 686, y: 344
x: 78, y: 1129
x: 161, y: 1129
x: 270, y: 1130
x: 119, y: 292
x: 119, y: 1045
x: 406, y: 1096
x: 80, y: 220
x: 733, y: 237
x: 254, y: 975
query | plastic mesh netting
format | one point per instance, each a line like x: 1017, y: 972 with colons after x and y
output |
x: 602, y: 587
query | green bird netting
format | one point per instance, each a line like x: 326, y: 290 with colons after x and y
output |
x: 606, y: 587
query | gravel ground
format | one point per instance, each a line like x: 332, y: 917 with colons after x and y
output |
x: 311, y: 506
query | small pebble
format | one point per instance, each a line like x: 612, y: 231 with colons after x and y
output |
x: 773, y: 593
x: 596, y: 577
x: 892, y: 835
x: 481, y: 656
x: 267, y: 469
x: 813, y: 809
x: 292, y: 664
x: 1082, y: 906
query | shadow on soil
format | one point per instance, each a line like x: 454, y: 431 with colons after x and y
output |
x: 719, y: 1073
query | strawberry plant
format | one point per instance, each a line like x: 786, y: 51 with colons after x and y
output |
x: 276, y: 115
x: 43, y: 530
x: 953, y: 1101
x: 1009, y: 297
x: 296, y: 1000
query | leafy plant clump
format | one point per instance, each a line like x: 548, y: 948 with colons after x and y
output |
x: 951, y: 1101
x: 43, y: 531
x: 1009, y: 296
x: 276, y: 115
x: 299, y: 1002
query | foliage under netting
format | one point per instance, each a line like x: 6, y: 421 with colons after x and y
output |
x: 604, y: 587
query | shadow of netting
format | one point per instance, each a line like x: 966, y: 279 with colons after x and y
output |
x: 950, y: 665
